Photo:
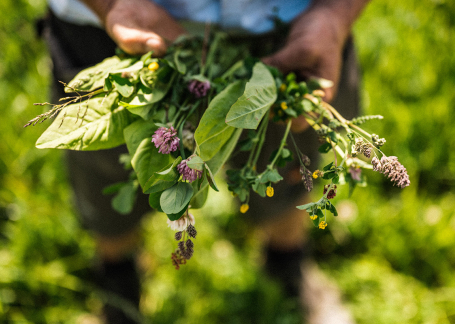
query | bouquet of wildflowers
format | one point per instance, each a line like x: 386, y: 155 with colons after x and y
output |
x: 181, y: 117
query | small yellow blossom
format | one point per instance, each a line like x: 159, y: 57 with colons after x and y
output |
x: 284, y: 105
x: 316, y: 174
x: 322, y: 225
x: 314, y: 217
x: 153, y: 66
x: 280, y: 113
x: 270, y: 191
x: 283, y: 87
x: 244, y: 208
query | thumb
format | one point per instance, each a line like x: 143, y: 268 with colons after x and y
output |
x: 136, y: 41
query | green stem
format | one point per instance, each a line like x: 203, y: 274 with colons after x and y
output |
x: 261, y: 133
x: 282, y: 144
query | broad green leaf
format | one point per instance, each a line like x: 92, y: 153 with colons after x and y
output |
x: 93, y: 77
x: 200, y: 198
x: 174, y: 199
x: 163, y: 179
x: 123, y: 85
x: 123, y: 202
x: 219, y: 160
x: 154, y: 201
x: 133, y: 68
x: 94, y: 124
x: 271, y: 176
x: 145, y: 158
x: 196, y: 163
x: 212, y: 132
x: 176, y: 216
x: 260, y: 94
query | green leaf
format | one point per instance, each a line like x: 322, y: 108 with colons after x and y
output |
x: 196, y: 163
x: 260, y: 93
x: 200, y: 198
x: 333, y: 137
x: 220, y: 159
x: 176, y: 216
x: 212, y: 132
x: 307, y: 207
x: 181, y: 67
x: 145, y: 158
x: 271, y: 176
x: 164, y: 178
x: 113, y: 188
x: 176, y: 198
x: 332, y: 209
x: 93, y: 77
x: 154, y: 201
x: 124, y: 201
x: 211, y: 178
x: 328, y: 166
x: 94, y: 124
x: 260, y: 188
x: 123, y: 85
x: 325, y: 148
x: 132, y: 68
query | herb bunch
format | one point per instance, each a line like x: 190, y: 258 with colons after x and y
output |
x: 181, y: 117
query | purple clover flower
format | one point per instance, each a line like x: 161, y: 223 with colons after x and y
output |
x: 188, y: 173
x: 166, y: 140
x: 199, y: 88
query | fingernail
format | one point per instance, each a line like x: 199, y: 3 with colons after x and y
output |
x: 153, y: 43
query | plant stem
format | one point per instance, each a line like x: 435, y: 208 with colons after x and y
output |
x: 282, y: 144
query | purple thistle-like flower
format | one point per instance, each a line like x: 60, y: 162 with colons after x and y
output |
x: 166, y: 140
x: 199, y: 88
x: 188, y: 173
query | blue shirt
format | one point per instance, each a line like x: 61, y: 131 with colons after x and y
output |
x: 253, y: 16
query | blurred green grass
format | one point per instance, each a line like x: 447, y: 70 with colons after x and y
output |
x: 391, y: 251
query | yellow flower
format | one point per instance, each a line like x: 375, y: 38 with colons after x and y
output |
x: 270, y: 191
x: 284, y: 105
x: 244, y: 208
x: 322, y: 225
x: 314, y: 217
x: 153, y: 66
x: 316, y: 174
x: 283, y: 87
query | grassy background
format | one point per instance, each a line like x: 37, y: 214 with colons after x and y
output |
x: 391, y: 251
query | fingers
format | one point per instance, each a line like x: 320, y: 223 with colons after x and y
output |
x: 307, y: 64
x: 140, y: 26
x: 135, y: 41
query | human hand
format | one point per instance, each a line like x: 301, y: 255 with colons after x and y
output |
x: 137, y: 26
x: 315, y: 45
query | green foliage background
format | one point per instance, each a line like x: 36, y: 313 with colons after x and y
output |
x: 391, y: 251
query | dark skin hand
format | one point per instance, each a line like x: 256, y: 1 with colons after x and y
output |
x: 315, y: 44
